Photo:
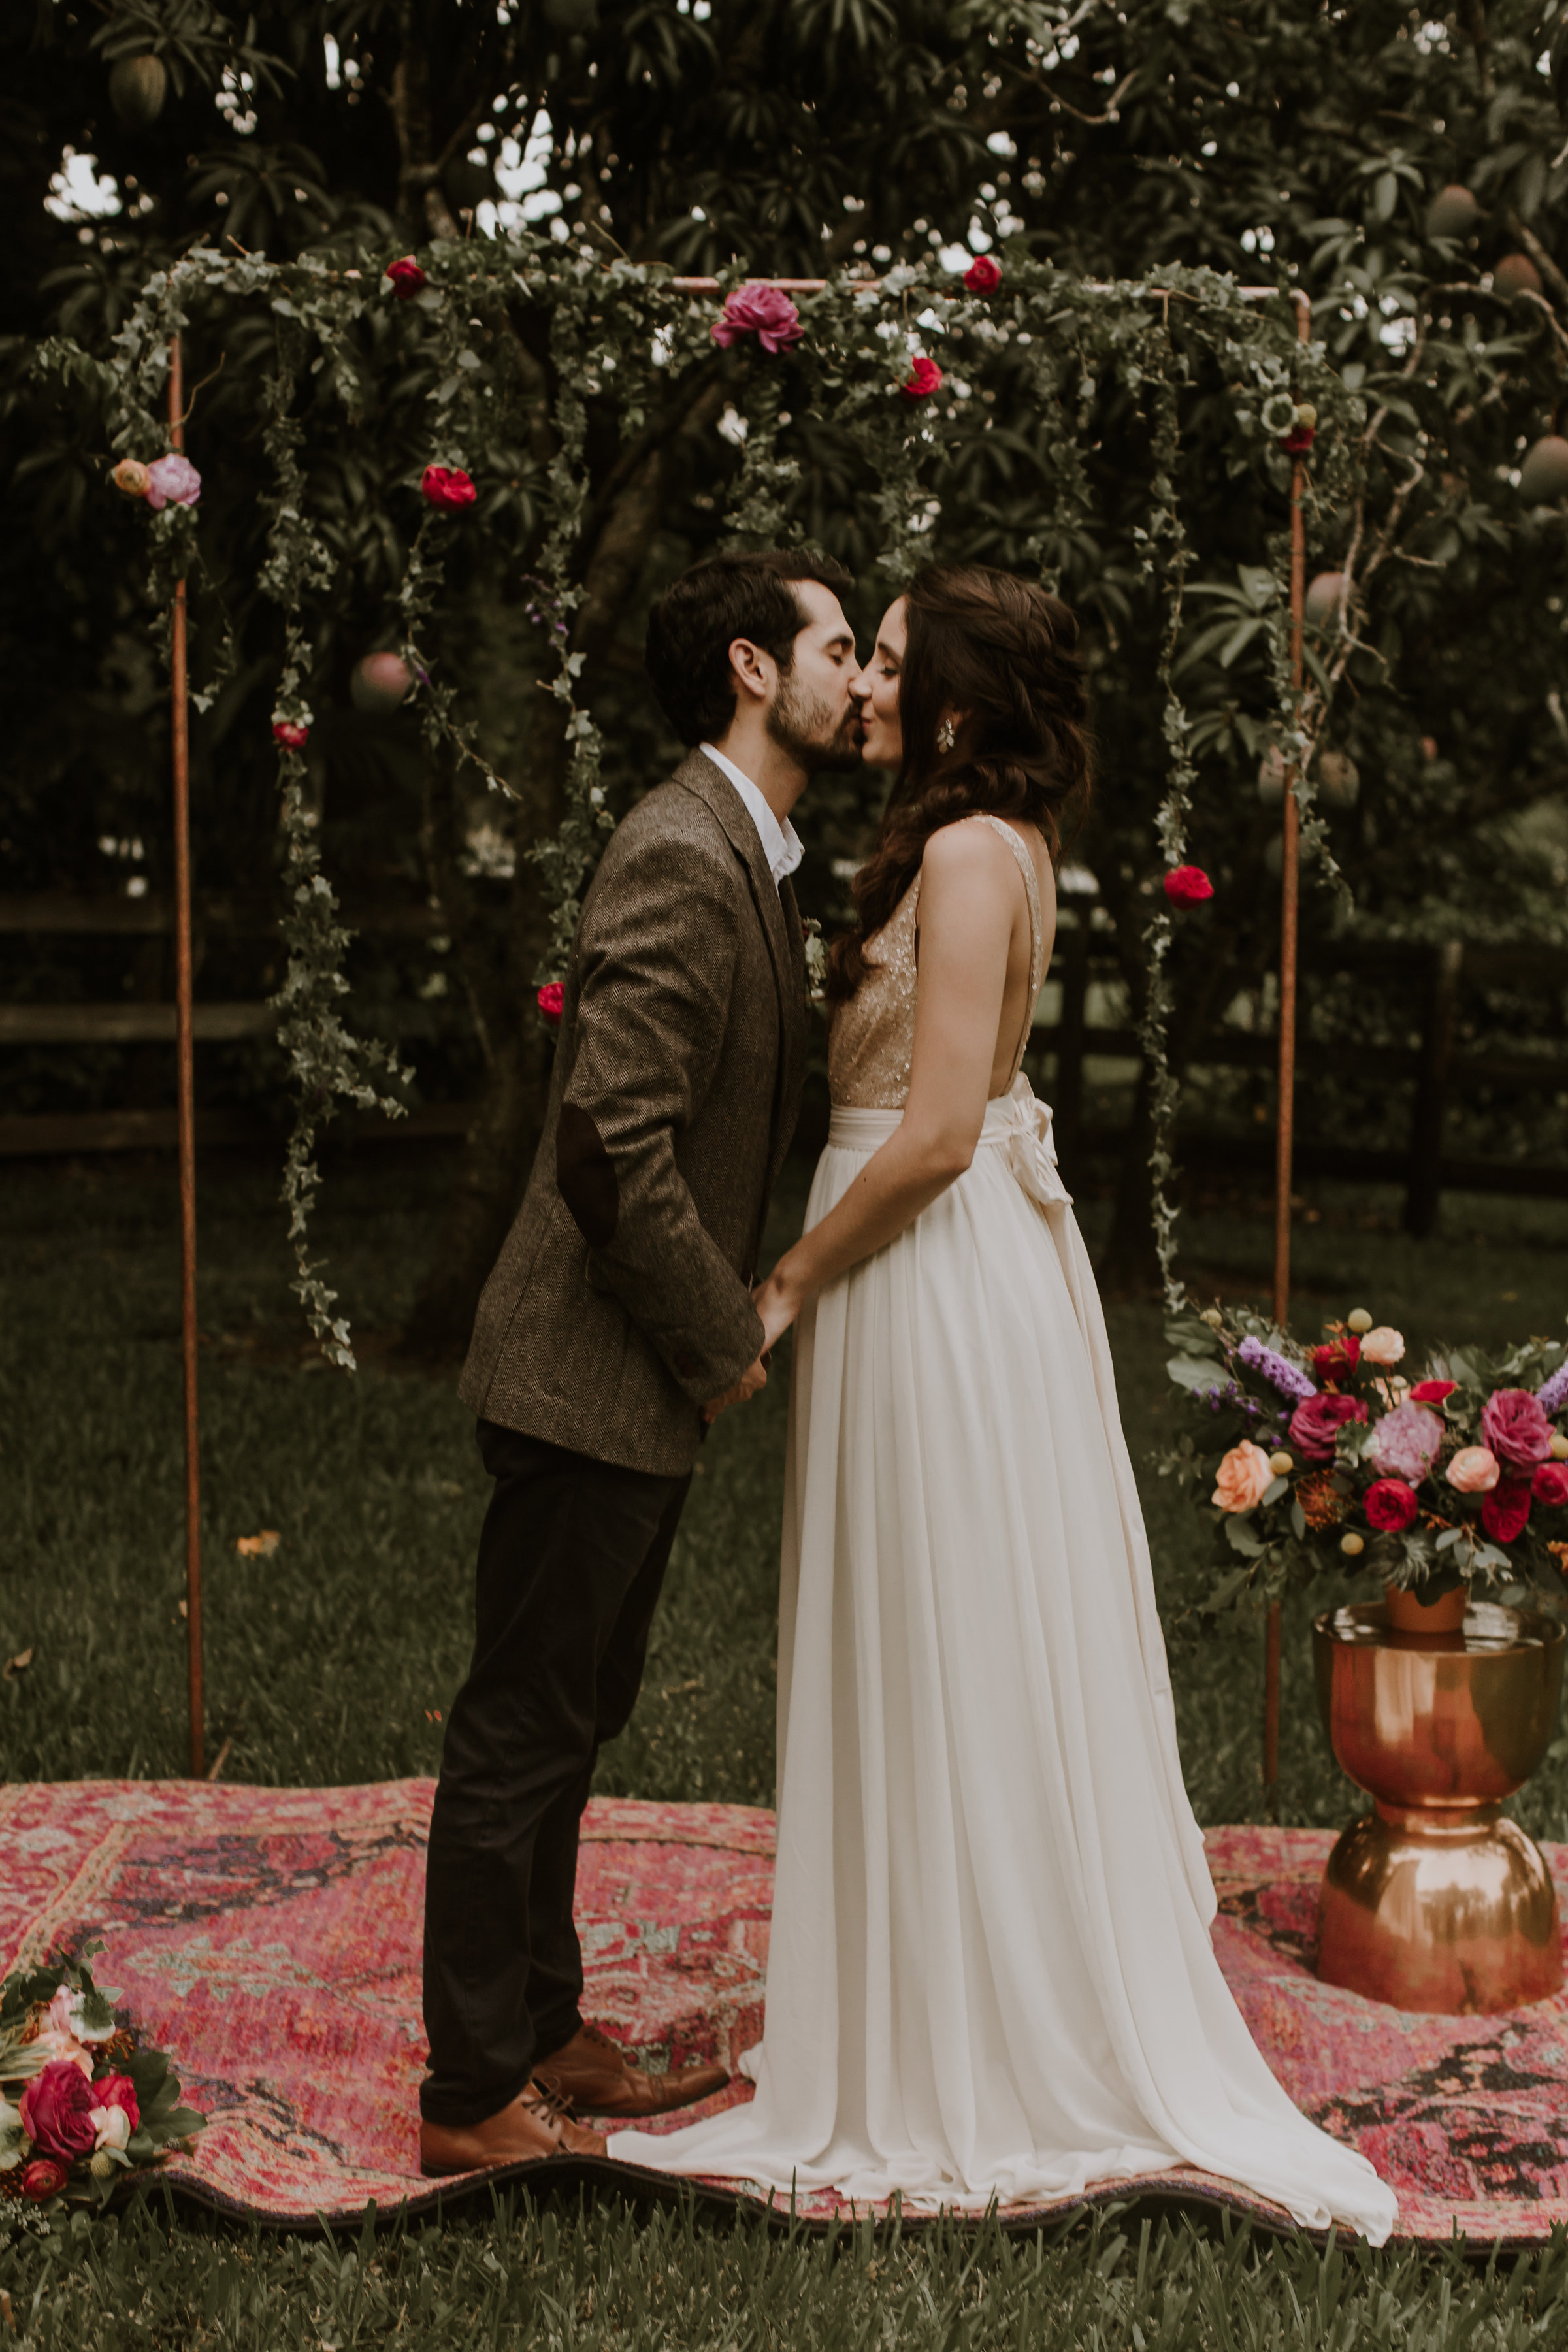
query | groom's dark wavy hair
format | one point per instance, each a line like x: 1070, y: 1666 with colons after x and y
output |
x: 1005, y: 650
x: 697, y: 620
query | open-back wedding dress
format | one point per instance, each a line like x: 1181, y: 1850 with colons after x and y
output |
x: 990, y: 1973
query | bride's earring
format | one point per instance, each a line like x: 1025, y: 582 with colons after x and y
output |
x: 944, y: 735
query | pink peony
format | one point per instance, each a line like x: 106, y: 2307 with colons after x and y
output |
x: 1515, y: 1428
x: 552, y: 1000
x: 1316, y: 1423
x: 1550, y: 1484
x: 172, y: 481
x: 1473, y: 1470
x: 1243, y: 1477
x: 290, y: 734
x: 57, y: 2110
x: 763, y: 311
x: 406, y: 277
x: 1187, y: 885
x: 983, y: 276
x: 448, y: 487
x: 923, y: 378
x: 43, y: 2178
x: 1406, y: 1442
x: 1391, y: 1506
x: 1505, y: 1513
x: 117, y: 2091
x: 1432, y: 1391
x: 1383, y: 1346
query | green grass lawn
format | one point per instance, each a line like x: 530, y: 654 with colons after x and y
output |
x: 334, y: 1661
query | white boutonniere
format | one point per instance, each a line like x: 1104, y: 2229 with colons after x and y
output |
x: 816, y: 960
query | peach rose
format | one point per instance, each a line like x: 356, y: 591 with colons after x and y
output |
x: 1383, y: 1346
x: 1244, y: 1477
x: 1475, y: 1470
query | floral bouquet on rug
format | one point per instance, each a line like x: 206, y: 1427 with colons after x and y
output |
x: 82, y: 2101
x: 1308, y: 1459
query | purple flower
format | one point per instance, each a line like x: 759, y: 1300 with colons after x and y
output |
x: 1553, y: 1394
x: 172, y: 481
x: 1406, y: 1443
x: 1288, y: 1378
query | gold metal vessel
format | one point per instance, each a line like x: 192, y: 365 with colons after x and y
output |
x: 1432, y: 1901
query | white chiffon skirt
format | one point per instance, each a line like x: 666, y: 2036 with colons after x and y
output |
x: 990, y: 1972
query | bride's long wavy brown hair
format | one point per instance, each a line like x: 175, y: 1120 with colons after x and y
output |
x: 1005, y: 651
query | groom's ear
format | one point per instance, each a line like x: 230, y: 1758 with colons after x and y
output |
x: 753, y: 668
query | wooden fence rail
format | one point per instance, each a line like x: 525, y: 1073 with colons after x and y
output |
x: 1432, y: 978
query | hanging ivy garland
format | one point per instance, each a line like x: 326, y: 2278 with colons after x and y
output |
x: 895, y: 367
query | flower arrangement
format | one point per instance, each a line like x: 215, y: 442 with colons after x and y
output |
x: 81, y: 2101
x: 1310, y: 1458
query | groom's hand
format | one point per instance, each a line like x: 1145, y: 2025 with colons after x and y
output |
x: 754, y: 1378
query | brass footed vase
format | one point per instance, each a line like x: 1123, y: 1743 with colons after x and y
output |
x: 1433, y: 1901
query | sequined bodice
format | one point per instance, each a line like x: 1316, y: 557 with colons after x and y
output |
x: 871, y: 1043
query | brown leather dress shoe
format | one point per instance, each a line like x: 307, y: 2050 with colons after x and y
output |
x: 592, y: 2077
x: 536, y: 2123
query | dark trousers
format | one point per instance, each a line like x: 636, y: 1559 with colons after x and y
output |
x: 571, y: 1561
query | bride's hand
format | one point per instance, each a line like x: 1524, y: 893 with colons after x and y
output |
x: 778, y: 1302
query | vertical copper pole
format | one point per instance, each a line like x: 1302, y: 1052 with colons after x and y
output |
x: 183, y: 960
x: 1284, y: 1141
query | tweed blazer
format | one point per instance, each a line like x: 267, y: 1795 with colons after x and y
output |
x: 621, y: 1300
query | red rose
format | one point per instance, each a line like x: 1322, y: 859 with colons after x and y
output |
x: 1550, y: 1484
x: 1339, y: 1356
x: 551, y: 997
x: 925, y: 378
x: 117, y: 2091
x: 982, y: 277
x: 1505, y: 1512
x: 1391, y: 1506
x: 1316, y: 1422
x: 288, y: 732
x: 1187, y: 885
x: 56, y: 2109
x: 406, y: 277
x: 1299, y: 440
x: 1515, y: 1427
x: 448, y: 486
x: 43, y: 2178
x: 1432, y: 1391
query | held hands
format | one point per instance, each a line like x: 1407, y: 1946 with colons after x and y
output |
x: 778, y: 1304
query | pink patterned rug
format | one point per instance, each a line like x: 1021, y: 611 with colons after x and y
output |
x: 269, y: 1939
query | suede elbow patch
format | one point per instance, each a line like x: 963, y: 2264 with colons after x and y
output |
x: 585, y: 1177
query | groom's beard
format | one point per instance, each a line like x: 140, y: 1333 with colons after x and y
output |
x: 803, y: 725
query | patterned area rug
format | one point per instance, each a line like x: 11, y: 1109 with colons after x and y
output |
x: 269, y: 1939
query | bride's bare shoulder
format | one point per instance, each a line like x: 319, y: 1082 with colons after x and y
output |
x: 965, y: 851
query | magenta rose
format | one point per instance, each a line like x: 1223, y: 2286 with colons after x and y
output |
x: 552, y: 1000
x: 923, y: 378
x: 1187, y: 885
x: 57, y: 2110
x: 763, y: 311
x: 983, y: 276
x: 1515, y: 1428
x: 290, y: 734
x: 117, y: 2091
x: 44, y: 2179
x: 173, y: 481
x: 1505, y: 1513
x: 406, y: 277
x: 1406, y: 1442
x: 1550, y: 1484
x: 1391, y: 1506
x: 1316, y: 1422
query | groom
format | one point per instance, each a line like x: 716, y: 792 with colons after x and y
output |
x: 619, y: 1317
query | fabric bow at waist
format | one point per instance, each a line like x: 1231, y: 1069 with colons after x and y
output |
x: 1017, y: 1121
x: 1020, y: 1123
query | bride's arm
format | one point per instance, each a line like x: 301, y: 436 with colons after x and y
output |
x: 970, y: 895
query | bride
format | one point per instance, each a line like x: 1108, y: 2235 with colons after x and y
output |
x: 990, y: 1973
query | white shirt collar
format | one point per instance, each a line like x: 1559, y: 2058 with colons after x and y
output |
x: 781, y: 844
